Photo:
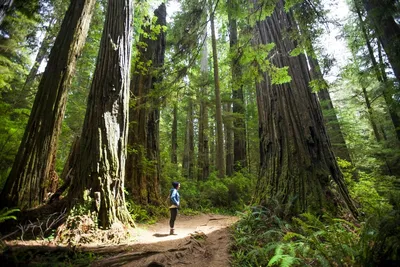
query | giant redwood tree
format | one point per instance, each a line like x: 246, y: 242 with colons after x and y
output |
x: 143, y: 163
x: 101, y: 166
x: 33, y: 171
x: 296, y: 159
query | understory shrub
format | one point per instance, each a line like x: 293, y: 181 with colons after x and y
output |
x: 264, y: 239
x: 229, y: 193
x: 268, y: 236
x: 145, y: 214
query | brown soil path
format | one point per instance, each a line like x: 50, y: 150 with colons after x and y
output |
x: 200, y: 240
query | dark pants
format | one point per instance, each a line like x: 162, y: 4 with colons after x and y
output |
x: 174, y: 212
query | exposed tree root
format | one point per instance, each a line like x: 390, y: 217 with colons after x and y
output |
x: 189, y: 246
x: 35, y: 223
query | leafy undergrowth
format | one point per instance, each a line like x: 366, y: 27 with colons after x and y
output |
x: 264, y: 239
x: 267, y: 236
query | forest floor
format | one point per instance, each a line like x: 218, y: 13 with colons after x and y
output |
x: 199, y: 240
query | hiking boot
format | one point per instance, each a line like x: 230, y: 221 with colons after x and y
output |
x: 171, y: 232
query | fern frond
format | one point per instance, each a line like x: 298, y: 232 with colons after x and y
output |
x: 289, y: 261
x: 284, y: 260
x: 290, y: 235
x: 275, y: 260
x: 6, y: 214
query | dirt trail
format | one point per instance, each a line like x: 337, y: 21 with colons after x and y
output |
x: 199, y: 240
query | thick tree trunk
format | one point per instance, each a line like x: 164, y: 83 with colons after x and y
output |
x: 331, y: 122
x: 143, y: 163
x: 4, y: 7
x: 27, y: 184
x: 188, y: 151
x: 239, y: 127
x: 203, y: 161
x: 101, y: 166
x: 296, y: 160
x: 174, y: 136
x: 388, y: 31
x: 218, y: 109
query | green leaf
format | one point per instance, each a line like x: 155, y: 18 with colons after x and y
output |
x: 280, y: 75
x: 297, y: 51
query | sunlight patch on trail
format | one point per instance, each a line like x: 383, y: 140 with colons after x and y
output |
x: 184, y: 227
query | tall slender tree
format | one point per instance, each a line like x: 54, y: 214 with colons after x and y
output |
x: 101, y: 166
x: 228, y: 133
x: 51, y: 19
x: 218, y: 107
x: 239, y: 127
x: 381, y: 15
x: 296, y: 159
x: 394, y: 57
x: 174, y: 135
x: 33, y: 169
x: 203, y: 161
x: 188, y: 145
x: 143, y: 163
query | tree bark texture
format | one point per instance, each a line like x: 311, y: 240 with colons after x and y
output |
x: 28, y: 182
x: 101, y: 166
x: 143, y: 163
x: 218, y: 108
x: 5, y: 5
x: 203, y: 161
x: 380, y: 14
x: 296, y: 161
x: 239, y: 127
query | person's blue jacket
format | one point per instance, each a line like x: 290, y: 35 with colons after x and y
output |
x: 174, y: 196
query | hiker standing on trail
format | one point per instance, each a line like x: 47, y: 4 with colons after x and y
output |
x: 174, y: 198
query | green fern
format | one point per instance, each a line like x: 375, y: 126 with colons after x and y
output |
x: 283, y: 260
x: 6, y: 214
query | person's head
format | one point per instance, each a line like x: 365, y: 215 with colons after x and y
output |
x: 176, y: 185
